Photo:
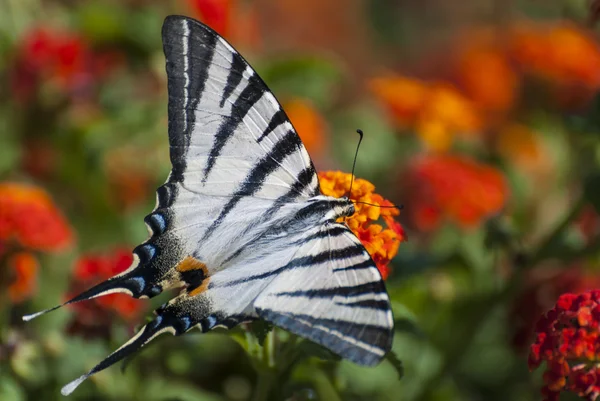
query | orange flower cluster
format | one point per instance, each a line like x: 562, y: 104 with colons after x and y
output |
x: 565, y: 56
x: 382, y: 244
x: 28, y: 216
x: 568, y: 340
x: 452, y: 187
x: 94, y: 315
x: 437, y: 111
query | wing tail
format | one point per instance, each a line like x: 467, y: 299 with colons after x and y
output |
x: 153, y: 329
x: 134, y: 282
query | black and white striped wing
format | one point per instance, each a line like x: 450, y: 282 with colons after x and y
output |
x: 236, y: 161
x: 333, y: 294
x: 228, y: 134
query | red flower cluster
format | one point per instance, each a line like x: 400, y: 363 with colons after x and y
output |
x: 94, y: 316
x: 453, y: 187
x: 62, y: 59
x: 568, y: 340
x: 28, y: 216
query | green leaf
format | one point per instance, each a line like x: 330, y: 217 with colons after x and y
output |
x: 393, y: 359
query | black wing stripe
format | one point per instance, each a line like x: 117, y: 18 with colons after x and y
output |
x: 242, y: 105
x: 367, y: 264
x: 377, y: 304
x: 234, y: 78
x: 278, y: 118
x: 184, y: 94
x: 334, y: 231
x: 375, y: 287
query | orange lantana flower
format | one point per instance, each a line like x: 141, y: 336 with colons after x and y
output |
x: 454, y: 188
x: 28, y: 216
x: 381, y: 243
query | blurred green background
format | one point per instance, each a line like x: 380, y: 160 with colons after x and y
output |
x: 480, y: 117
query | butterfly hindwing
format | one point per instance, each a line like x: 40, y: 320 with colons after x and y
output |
x: 333, y: 294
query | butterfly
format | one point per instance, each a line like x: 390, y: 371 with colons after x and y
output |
x: 240, y: 225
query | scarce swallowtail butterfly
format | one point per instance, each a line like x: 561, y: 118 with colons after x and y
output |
x: 240, y: 223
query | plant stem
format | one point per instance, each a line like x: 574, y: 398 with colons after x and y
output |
x: 265, y: 372
x: 264, y: 381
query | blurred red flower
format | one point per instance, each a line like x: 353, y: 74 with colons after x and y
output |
x: 381, y: 243
x: 63, y: 59
x: 232, y: 19
x: 28, y: 216
x: 215, y: 13
x: 93, y: 317
x: 454, y: 188
x: 568, y: 341
x: 24, y: 268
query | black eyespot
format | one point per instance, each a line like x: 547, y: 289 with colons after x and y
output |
x: 193, y: 278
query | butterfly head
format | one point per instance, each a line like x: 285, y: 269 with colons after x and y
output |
x: 344, y: 207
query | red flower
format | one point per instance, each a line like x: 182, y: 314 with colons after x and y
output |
x: 93, y: 317
x: 60, y: 58
x: 568, y: 341
x: 215, y: 13
x: 28, y: 216
x: 454, y: 188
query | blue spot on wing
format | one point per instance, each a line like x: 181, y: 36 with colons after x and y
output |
x: 140, y: 282
x: 159, y: 222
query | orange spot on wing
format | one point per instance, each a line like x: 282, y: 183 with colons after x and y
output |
x: 189, y: 264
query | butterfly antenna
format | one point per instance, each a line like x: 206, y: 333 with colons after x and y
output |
x: 359, y: 131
